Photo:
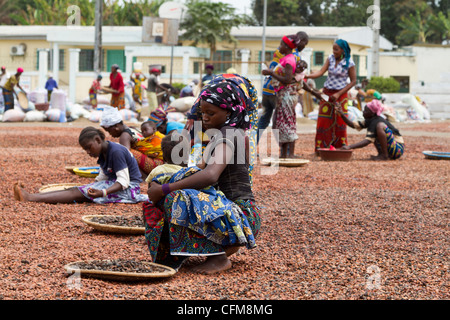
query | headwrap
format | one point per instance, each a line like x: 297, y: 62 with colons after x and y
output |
x: 115, y: 66
x: 155, y: 70
x: 291, y: 41
x: 209, y: 66
x: 248, y: 92
x: 110, y: 117
x: 344, y: 46
x: 225, y: 96
x: 159, y: 115
x: 19, y: 70
x: 375, y: 106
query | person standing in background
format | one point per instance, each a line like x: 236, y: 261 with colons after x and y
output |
x: 8, y: 89
x: 50, y: 85
x: 209, y: 74
x: 152, y: 86
x: 331, y: 128
x: 117, y: 88
x: 268, y: 97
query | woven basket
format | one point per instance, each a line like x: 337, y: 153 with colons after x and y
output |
x: 110, y: 227
x: 58, y: 187
x: 72, y: 268
x: 284, y: 162
x: 87, y: 172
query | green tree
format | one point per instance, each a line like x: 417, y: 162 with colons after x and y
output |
x: 416, y: 27
x: 209, y: 23
x: 51, y: 12
x: 289, y: 12
x: 441, y: 25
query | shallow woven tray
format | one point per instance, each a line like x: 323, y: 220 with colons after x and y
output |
x: 72, y: 268
x: 23, y: 100
x: 110, y: 227
x: 58, y: 187
x: 285, y: 162
x: 436, y: 155
x: 86, y: 172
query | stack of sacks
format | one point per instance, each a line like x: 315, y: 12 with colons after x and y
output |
x: 416, y: 110
x: 77, y: 111
x: 57, y: 111
x: 127, y: 115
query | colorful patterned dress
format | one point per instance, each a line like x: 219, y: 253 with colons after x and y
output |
x: 331, y: 129
x: 194, y: 222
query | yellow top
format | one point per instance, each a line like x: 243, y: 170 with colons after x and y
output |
x: 12, y: 81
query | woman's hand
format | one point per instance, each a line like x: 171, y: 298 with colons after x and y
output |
x: 95, y: 193
x: 338, y: 108
x: 189, y: 124
x: 153, y: 155
x: 344, y: 148
x: 267, y: 72
x: 155, y: 192
x: 335, y: 97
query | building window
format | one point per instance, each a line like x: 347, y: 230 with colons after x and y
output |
x: 319, y: 58
x: 268, y: 57
x: 222, y: 60
x: 50, y: 60
x: 86, y: 60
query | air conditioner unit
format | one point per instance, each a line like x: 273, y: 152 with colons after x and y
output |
x: 17, y: 50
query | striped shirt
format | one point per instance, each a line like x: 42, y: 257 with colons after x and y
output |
x: 268, y: 88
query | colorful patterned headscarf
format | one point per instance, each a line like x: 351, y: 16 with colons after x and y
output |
x: 225, y: 96
x: 159, y: 115
x: 347, y: 51
x: 376, y: 107
x: 240, y: 84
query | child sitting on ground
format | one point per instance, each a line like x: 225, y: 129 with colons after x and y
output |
x: 151, y: 144
x: 386, y: 138
x: 171, y: 165
x: 118, y: 181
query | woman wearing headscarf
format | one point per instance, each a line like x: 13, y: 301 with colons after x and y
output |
x: 284, y: 118
x: 112, y: 122
x: 249, y: 96
x: 199, y: 220
x: 387, y: 139
x: 8, y: 89
x: 331, y: 129
x: 117, y: 88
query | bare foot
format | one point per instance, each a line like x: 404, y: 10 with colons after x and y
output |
x: 213, y: 264
x: 380, y: 158
x: 231, y: 250
x: 19, y: 194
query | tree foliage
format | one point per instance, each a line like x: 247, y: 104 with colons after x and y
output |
x: 207, y: 22
x: 403, y: 22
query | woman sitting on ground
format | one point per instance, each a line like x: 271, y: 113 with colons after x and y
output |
x: 387, y: 139
x: 118, y: 181
x: 230, y: 210
x: 112, y: 122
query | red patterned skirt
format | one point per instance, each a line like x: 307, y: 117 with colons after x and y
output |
x: 331, y: 129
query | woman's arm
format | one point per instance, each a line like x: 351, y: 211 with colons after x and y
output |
x: 352, y: 75
x: 361, y: 144
x: 210, y: 175
x: 286, y: 79
x: 319, y: 73
x: 339, y: 110
x: 125, y: 140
